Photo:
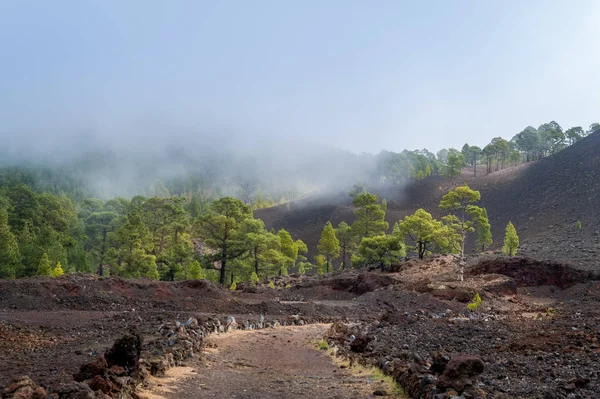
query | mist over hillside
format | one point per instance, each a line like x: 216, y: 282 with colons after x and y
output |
x: 107, y: 167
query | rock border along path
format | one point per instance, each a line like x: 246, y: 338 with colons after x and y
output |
x: 268, y: 363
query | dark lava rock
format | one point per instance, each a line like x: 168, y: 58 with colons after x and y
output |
x: 126, y: 353
x: 461, y: 372
x: 90, y: 370
x: 440, y: 361
x: 359, y: 345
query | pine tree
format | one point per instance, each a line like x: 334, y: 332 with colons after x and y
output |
x: 289, y: 249
x: 45, y: 267
x: 511, y: 240
x: 218, y: 228
x: 10, y: 255
x: 57, y: 271
x: 382, y: 250
x: 195, y: 271
x: 482, y: 228
x: 328, y: 246
x: 427, y: 170
x: 370, y: 216
x: 347, y: 243
x: 461, y: 200
x: 421, y: 229
x: 152, y: 271
x: 259, y: 241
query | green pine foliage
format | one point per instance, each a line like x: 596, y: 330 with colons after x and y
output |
x: 511, y: 240
x: 45, y: 267
x: 195, y: 271
x: 57, y: 271
x: 370, y: 216
x: 10, y: 255
x: 475, y: 303
x: 152, y: 271
x: 329, y: 245
x: 382, y: 251
x: 461, y: 200
x: 347, y: 243
x: 421, y: 230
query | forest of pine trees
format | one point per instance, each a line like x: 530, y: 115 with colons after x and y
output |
x: 49, y: 225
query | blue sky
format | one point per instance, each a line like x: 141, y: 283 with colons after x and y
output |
x: 358, y: 75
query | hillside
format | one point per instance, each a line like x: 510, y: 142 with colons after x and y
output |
x: 543, y: 199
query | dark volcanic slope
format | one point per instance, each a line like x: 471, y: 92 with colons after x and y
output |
x: 544, y: 200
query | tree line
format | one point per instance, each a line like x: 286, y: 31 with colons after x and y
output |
x: 531, y: 144
x: 155, y: 237
x: 175, y: 239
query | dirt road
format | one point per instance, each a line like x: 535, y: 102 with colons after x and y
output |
x: 272, y: 363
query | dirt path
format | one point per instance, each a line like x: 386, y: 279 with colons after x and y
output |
x: 273, y: 363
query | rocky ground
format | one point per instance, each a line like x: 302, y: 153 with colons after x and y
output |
x: 535, y: 333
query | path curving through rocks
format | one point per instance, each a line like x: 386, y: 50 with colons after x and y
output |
x: 269, y: 363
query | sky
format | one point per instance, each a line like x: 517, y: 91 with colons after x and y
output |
x: 357, y: 75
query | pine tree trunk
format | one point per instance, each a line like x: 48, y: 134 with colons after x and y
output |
x: 223, y: 265
x: 256, y: 260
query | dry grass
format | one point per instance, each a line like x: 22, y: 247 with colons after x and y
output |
x: 385, y: 382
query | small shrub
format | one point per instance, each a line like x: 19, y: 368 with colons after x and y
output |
x: 288, y: 286
x: 578, y: 225
x: 233, y: 286
x: 322, y: 345
x: 57, y: 271
x: 271, y: 285
x: 475, y: 303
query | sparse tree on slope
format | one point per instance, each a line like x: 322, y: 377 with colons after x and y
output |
x: 475, y: 154
x: 382, y: 250
x: 482, y: 226
x: 442, y: 156
x: 460, y: 200
x: 421, y: 229
x: 574, y: 134
x: 370, y: 216
x: 454, y: 165
x: 329, y: 245
x: 511, y: 240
